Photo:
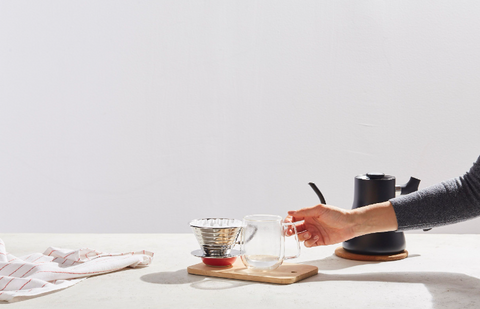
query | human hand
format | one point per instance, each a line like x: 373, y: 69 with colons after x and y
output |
x: 322, y: 225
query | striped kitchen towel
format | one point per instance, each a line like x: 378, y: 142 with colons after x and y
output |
x: 55, y: 269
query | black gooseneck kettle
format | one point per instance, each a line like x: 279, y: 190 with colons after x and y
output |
x: 374, y: 188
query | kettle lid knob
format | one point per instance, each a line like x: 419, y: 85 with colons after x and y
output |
x: 375, y: 175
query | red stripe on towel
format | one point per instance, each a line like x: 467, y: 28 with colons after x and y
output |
x: 7, y: 284
x: 28, y: 271
x: 17, y: 269
x: 25, y: 284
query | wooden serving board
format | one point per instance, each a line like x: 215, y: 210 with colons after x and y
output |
x: 285, y: 274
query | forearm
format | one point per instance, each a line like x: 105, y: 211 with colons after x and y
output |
x: 374, y: 218
x: 448, y: 202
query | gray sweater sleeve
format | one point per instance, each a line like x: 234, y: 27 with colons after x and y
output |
x: 448, y: 202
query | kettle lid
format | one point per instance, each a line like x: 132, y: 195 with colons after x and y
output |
x: 375, y: 176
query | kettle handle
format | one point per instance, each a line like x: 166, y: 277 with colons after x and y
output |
x: 409, y: 187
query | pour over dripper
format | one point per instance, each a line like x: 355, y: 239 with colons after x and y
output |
x: 217, y: 238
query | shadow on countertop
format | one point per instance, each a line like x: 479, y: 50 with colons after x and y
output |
x: 171, y: 277
x: 197, y: 282
x: 448, y: 290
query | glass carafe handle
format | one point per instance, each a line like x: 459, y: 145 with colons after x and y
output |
x: 296, y: 239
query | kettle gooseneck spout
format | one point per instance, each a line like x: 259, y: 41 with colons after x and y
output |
x: 317, y: 191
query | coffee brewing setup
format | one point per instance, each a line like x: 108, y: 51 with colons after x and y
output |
x: 262, y: 241
x: 259, y: 240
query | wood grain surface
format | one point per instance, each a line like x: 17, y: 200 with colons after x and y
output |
x: 340, y: 252
x: 286, y: 274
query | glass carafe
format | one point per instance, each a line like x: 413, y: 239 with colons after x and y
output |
x: 263, y: 242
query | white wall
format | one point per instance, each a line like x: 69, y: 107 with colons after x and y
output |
x: 138, y: 116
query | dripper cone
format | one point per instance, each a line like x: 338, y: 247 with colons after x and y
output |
x: 216, y: 236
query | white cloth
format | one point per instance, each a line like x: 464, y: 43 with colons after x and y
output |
x: 56, y: 269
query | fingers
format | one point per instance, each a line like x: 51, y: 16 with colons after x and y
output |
x: 311, y: 242
x: 308, y: 236
x: 288, y: 219
x: 304, y: 236
x: 308, y: 239
x: 299, y: 226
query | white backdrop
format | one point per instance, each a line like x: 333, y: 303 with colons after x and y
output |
x: 138, y: 116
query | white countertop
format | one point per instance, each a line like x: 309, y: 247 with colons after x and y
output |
x: 442, y: 271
